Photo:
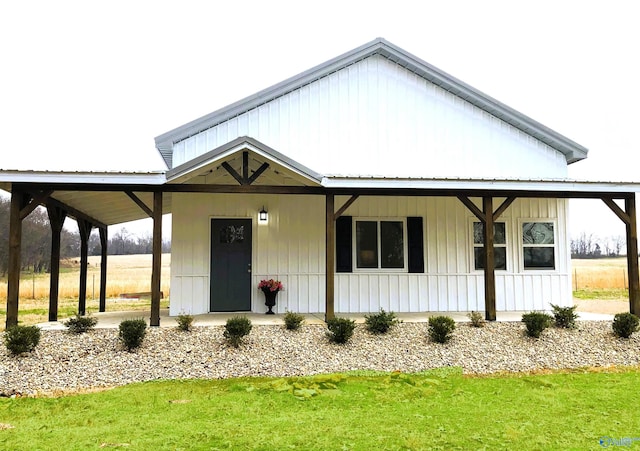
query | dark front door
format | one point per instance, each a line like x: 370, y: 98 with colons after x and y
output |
x: 230, y: 265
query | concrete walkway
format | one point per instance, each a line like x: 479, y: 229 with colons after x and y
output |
x: 108, y: 320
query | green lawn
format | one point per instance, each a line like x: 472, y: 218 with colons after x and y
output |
x: 439, y: 409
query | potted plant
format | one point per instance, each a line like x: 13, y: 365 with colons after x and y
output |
x: 270, y: 289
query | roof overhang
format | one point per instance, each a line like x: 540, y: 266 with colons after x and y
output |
x: 100, y: 196
x: 565, y: 188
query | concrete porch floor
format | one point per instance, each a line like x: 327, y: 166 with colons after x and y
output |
x: 113, y: 319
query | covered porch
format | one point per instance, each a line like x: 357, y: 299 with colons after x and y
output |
x: 108, y: 200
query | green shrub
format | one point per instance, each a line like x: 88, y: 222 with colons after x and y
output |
x: 236, y: 328
x: 381, y: 322
x: 624, y: 324
x: 441, y: 328
x: 132, y: 332
x: 340, y: 329
x: 19, y: 339
x: 80, y: 324
x: 293, y: 321
x: 536, y: 322
x: 185, y: 321
x: 476, y: 318
x: 565, y: 316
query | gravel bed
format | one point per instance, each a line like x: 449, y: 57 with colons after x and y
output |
x: 64, y: 362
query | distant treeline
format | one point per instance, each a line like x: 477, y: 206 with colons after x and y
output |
x: 588, y: 245
x: 36, y: 241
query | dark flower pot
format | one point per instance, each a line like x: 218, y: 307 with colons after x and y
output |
x: 270, y: 299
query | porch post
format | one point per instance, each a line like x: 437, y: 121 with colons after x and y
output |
x: 156, y: 265
x: 15, y: 243
x: 489, y: 260
x: 330, y: 250
x: 632, y: 254
x: 103, y: 269
x: 56, y: 219
x: 84, y: 228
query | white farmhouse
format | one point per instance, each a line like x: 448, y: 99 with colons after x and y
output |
x: 366, y: 182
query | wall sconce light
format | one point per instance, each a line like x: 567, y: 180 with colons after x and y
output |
x: 263, y: 215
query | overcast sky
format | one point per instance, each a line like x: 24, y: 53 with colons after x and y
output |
x: 88, y: 85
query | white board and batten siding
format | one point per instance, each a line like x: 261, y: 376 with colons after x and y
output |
x: 291, y: 248
x: 376, y: 118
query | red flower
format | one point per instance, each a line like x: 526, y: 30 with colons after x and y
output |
x: 271, y: 285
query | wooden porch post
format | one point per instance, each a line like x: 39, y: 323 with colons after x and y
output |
x: 15, y: 243
x: 56, y: 218
x: 632, y: 254
x: 156, y: 265
x: 103, y: 269
x: 84, y: 228
x: 330, y: 256
x: 489, y: 261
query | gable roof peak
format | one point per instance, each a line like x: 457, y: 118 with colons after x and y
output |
x: 572, y: 151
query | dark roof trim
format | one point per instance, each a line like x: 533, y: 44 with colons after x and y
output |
x: 573, y: 152
x: 237, y: 145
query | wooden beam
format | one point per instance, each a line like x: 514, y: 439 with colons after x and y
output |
x: 632, y: 255
x: 258, y: 173
x: 84, y: 227
x: 330, y: 257
x: 489, y: 261
x: 233, y: 172
x: 75, y: 213
x: 56, y: 220
x: 317, y: 190
x: 15, y: 244
x: 156, y: 264
x: 346, y: 205
x: 473, y: 208
x: 139, y: 202
x: 245, y: 168
x: 37, y: 199
x: 620, y: 213
x: 103, y: 269
x: 503, y: 207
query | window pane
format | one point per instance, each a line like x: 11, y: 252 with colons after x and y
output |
x: 499, y: 233
x: 500, y: 255
x: 537, y: 233
x: 391, y: 244
x: 367, y: 244
x: 539, y: 258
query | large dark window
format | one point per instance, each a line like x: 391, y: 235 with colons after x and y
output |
x: 499, y: 245
x: 380, y: 244
x: 538, y: 245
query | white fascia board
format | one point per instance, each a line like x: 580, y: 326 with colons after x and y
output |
x: 481, y: 184
x: 97, y: 178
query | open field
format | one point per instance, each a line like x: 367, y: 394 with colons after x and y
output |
x: 438, y: 409
x: 125, y: 274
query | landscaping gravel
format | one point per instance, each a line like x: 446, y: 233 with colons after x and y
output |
x: 64, y: 362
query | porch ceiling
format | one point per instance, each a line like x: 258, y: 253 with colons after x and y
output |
x: 108, y: 207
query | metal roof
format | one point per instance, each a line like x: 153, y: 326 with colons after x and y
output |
x: 573, y: 152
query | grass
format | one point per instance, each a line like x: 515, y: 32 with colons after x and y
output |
x: 601, y: 273
x: 439, y: 409
x: 125, y: 274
